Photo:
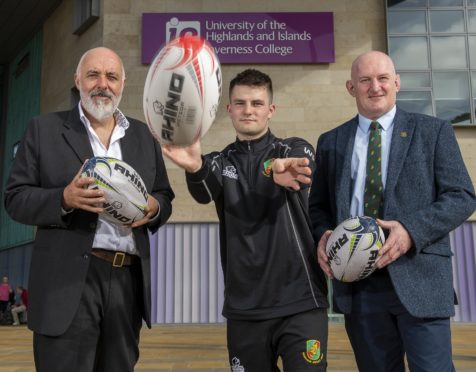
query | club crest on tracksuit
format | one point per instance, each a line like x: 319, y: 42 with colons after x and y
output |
x: 313, y: 352
x: 268, y: 167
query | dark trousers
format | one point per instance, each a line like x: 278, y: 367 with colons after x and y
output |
x: 104, y: 333
x: 381, y: 332
x: 300, y: 340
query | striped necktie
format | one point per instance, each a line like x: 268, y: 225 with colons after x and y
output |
x: 373, y: 195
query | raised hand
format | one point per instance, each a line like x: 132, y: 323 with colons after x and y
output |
x: 188, y: 158
x: 290, y: 172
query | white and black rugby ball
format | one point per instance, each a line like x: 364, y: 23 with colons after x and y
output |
x: 353, y: 247
x: 125, y: 193
x: 182, y: 91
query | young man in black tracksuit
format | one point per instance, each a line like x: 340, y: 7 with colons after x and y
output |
x: 275, y: 292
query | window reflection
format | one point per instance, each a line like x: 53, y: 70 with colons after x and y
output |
x: 433, y: 45
x: 472, y: 51
x: 472, y: 20
x: 446, y: 21
x: 406, y: 3
x: 473, y: 80
x: 446, y: 2
x: 450, y: 85
x: 451, y: 92
x: 457, y: 112
x: 407, y: 22
x: 419, y: 102
x: 409, y: 52
x: 411, y: 80
x: 448, y: 52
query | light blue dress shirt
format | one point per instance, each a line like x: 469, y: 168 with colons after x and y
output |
x: 359, y: 158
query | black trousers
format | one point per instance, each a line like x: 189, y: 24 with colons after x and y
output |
x: 299, y: 339
x: 104, y: 333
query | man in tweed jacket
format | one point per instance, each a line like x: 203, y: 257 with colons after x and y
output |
x: 404, y: 307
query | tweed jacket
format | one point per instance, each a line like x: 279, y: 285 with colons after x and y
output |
x: 428, y: 190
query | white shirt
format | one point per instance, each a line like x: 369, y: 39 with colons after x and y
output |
x: 109, y: 235
x: 359, y: 157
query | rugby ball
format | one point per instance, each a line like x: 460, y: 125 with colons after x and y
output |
x: 182, y: 91
x: 353, y: 247
x: 125, y: 193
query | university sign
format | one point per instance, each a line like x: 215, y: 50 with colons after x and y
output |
x: 246, y: 37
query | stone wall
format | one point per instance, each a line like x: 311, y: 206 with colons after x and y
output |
x: 310, y: 99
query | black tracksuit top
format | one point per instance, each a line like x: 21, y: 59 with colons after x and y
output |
x: 268, y: 253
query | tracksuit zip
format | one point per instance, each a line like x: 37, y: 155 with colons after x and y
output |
x: 299, y: 246
x: 250, y: 177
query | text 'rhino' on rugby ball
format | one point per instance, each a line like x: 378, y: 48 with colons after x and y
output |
x: 353, y: 248
x: 182, y: 91
x: 125, y: 193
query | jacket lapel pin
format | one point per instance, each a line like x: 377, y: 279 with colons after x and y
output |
x: 403, y: 134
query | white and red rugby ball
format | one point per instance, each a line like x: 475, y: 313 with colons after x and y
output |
x: 125, y: 192
x: 353, y: 247
x: 182, y: 91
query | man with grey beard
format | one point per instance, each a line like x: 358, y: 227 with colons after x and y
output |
x: 86, y: 306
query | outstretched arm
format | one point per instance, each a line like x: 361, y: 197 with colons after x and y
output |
x: 290, y: 172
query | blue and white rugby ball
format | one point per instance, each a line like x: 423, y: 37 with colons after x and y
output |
x: 353, y: 248
x: 125, y: 193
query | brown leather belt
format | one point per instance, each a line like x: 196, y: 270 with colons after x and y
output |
x: 118, y: 259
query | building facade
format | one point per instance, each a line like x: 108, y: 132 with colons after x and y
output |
x: 433, y: 43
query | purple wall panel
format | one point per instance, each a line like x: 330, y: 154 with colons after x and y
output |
x: 204, y: 269
x: 169, y: 278
x: 154, y: 270
x: 186, y: 288
x: 187, y: 279
x: 463, y: 241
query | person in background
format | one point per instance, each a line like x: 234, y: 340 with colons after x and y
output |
x: 21, y: 306
x: 275, y: 293
x: 89, y: 281
x: 406, y: 170
x: 5, y: 293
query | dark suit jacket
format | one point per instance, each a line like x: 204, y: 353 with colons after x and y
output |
x: 52, y: 151
x: 428, y: 190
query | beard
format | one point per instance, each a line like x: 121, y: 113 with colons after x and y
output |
x: 98, y: 108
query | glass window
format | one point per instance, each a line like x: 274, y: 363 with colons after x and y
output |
x: 446, y: 3
x: 419, y: 102
x: 473, y: 79
x: 411, y: 80
x: 407, y: 22
x: 433, y: 46
x: 450, y: 85
x: 406, y: 3
x: 85, y: 14
x: 472, y: 20
x: 472, y: 51
x: 451, y: 92
x: 446, y: 21
x: 409, y: 52
x: 448, y: 52
x: 457, y: 112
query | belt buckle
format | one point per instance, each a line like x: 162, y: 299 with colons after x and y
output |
x: 119, y: 256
